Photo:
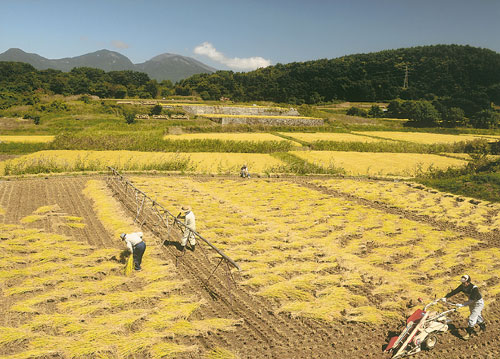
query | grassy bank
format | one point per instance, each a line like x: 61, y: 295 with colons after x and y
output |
x: 477, y: 180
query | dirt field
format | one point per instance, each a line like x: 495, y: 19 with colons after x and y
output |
x: 263, y: 333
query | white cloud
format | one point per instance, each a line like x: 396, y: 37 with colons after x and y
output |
x: 236, y: 63
x: 119, y: 44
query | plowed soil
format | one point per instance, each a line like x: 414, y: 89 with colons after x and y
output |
x: 263, y: 333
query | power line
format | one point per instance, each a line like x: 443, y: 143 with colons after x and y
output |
x: 405, y: 82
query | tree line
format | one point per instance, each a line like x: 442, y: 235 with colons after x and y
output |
x: 434, y: 113
x: 20, y: 83
x: 462, y: 77
x: 448, y: 85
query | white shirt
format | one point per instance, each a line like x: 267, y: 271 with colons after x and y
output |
x: 189, y: 221
x: 133, y: 239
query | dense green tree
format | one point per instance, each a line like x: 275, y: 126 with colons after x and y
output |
x: 395, y: 109
x: 356, y: 111
x: 485, y: 119
x: 151, y: 87
x: 156, y: 110
x: 129, y: 116
x: 453, y: 117
x: 375, y: 111
x: 421, y: 113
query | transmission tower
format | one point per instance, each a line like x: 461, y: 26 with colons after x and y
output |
x: 405, y: 82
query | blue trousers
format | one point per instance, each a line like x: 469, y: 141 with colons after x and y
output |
x: 139, y: 250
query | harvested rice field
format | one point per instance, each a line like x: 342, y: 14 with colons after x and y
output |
x: 329, y: 267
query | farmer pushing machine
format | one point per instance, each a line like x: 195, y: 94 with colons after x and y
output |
x: 475, y: 303
x: 423, y: 326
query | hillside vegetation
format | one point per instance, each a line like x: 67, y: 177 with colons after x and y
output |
x: 471, y: 76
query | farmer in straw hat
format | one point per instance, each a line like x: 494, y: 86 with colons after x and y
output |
x: 190, y: 223
x: 136, y: 246
x: 475, y: 303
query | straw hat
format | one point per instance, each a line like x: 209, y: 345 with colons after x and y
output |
x: 186, y: 208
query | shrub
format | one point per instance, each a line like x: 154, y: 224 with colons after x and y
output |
x: 485, y: 119
x: 355, y: 111
x: 156, y: 110
x: 375, y: 111
x: 129, y: 116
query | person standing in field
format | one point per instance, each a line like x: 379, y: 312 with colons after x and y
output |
x: 136, y: 246
x: 190, y: 223
x: 475, y: 303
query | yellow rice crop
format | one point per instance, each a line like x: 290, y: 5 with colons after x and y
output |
x: 419, y: 137
x: 336, y: 137
x: 205, y: 162
x: 30, y: 139
x: 231, y: 162
x: 255, y: 137
x: 382, y: 164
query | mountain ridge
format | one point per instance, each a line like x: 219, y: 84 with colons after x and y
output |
x: 165, y: 66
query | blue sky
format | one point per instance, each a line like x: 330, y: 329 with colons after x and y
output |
x: 243, y: 34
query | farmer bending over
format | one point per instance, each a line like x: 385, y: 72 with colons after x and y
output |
x: 244, y: 172
x: 190, y: 223
x: 475, y: 303
x: 136, y: 246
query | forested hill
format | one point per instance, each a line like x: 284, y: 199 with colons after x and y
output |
x: 462, y: 72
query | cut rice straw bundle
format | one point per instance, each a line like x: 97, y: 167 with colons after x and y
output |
x: 129, y: 266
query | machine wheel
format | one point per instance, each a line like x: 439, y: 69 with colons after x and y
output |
x: 430, y: 342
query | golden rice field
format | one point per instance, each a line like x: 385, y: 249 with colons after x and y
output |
x: 70, y: 161
x: 232, y: 162
x: 479, y: 215
x: 325, y: 257
x: 354, y: 163
x: 419, y: 137
x: 27, y: 139
x: 75, y: 301
x: 326, y: 136
x: 380, y: 164
x: 247, y: 136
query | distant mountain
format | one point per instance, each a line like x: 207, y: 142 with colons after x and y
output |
x: 173, y: 67
x: 162, y: 67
